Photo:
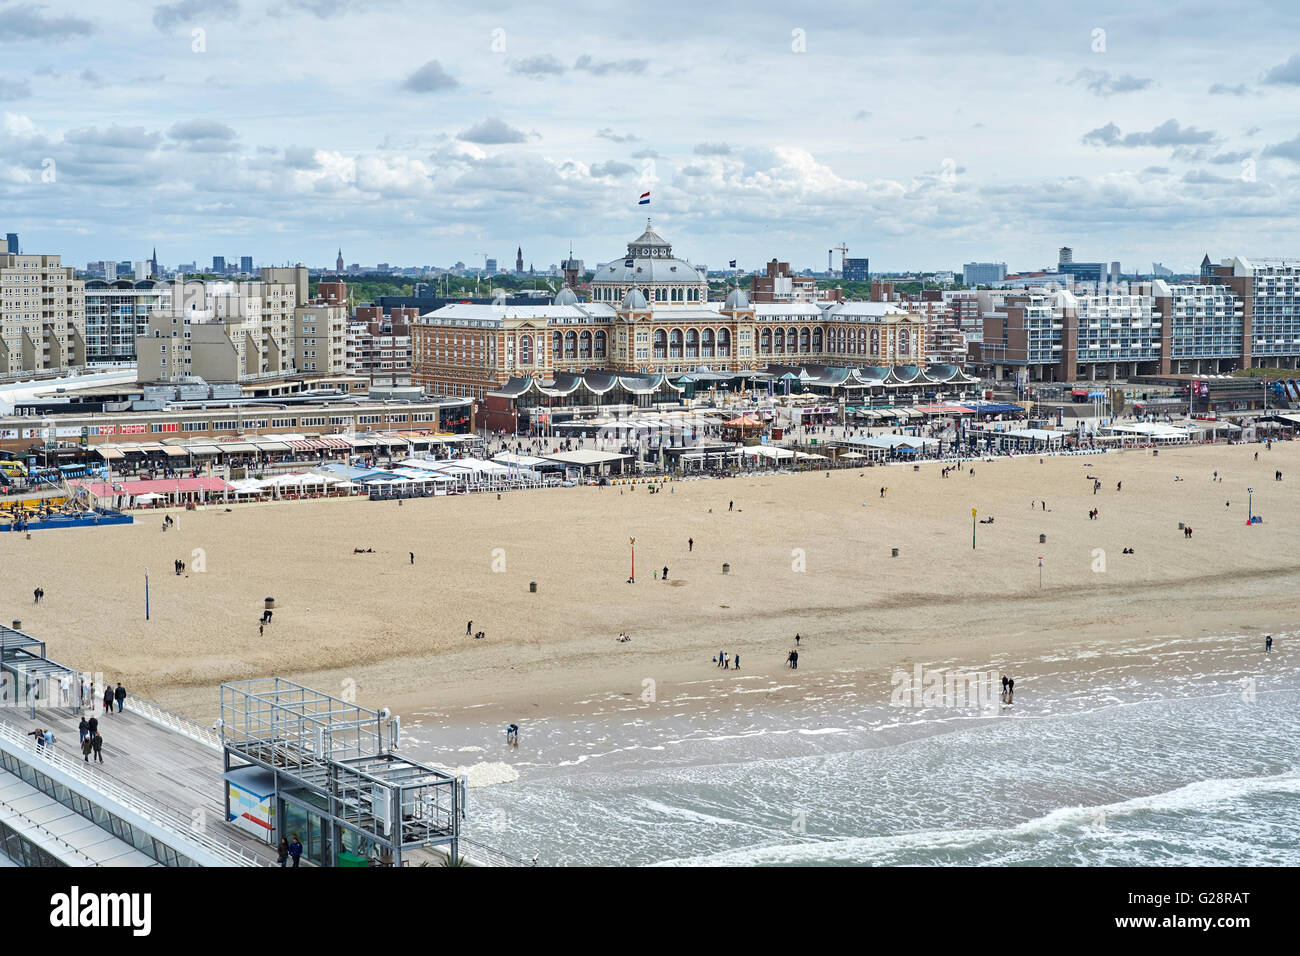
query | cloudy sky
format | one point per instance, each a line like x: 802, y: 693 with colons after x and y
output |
x: 922, y: 135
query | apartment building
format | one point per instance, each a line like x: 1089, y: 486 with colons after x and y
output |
x: 233, y: 331
x: 42, y: 315
x: 379, y: 344
x: 1145, y: 329
x: 117, y: 311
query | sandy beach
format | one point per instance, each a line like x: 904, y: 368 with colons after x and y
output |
x: 808, y: 553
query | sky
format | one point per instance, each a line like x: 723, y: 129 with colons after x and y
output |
x: 920, y: 135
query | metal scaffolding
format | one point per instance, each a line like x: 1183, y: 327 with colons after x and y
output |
x: 339, y: 761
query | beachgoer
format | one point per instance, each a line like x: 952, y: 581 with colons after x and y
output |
x: 690, y: 544
x: 794, y: 660
x: 736, y: 662
x: 412, y: 553
x: 1268, y: 644
x: 469, y: 628
x: 665, y: 577
x: 796, y: 640
x: 1011, y: 691
x: 732, y: 504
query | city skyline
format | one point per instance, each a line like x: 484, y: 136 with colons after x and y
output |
x: 1126, y: 135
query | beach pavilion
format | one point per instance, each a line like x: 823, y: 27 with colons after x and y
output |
x: 587, y: 462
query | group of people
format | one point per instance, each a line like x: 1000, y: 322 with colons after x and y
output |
x: 289, y: 850
x: 179, y: 565
x: 39, y: 595
x: 117, y: 694
x: 168, y: 521
x: 1187, y: 531
x: 726, y: 661
x: 1008, y: 689
x: 91, y: 740
x: 1092, y: 515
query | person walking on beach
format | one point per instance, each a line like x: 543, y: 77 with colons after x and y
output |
x: 97, y: 745
x: 794, y: 660
x: 120, y: 696
x: 737, y: 662
x: 469, y: 628
x: 295, y: 850
x: 796, y: 640
x: 1011, y: 691
x: 412, y: 553
x: 732, y: 504
x: 690, y: 544
x: 1268, y: 644
x: 1119, y: 486
x: 1004, y: 688
x: 665, y: 572
x: 282, y: 852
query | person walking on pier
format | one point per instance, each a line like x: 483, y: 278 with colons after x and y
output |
x: 97, y: 745
x: 282, y: 851
x: 120, y: 696
x: 108, y: 700
x: 83, y: 729
x: 295, y: 850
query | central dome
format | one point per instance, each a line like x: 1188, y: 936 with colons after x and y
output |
x: 650, y: 266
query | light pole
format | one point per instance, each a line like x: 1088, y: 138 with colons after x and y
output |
x: 1250, y: 505
x: 146, y: 594
x: 972, y: 529
x: 632, y: 542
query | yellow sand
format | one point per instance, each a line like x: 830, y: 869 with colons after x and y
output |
x: 807, y: 553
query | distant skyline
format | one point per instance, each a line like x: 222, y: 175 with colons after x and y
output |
x: 922, y: 137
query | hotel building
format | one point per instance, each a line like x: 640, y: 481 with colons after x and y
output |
x: 650, y: 314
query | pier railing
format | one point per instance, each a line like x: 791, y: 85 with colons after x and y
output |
x: 170, y: 720
x: 161, y: 816
x: 486, y: 855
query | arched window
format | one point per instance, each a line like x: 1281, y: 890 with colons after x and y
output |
x: 862, y: 341
x: 817, y: 340
x: 570, y: 345
x: 692, y: 343
x: 675, y: 344
x: 584, y: 345
x: 661, y: 344
x: 555, y: 345
x: 526, y: 350
x: 875, y: 341
x: 903, y: 342
x: 803, y: 341
x: 706, y: 343
x: 765, y: 342
x: 599, y: 345
x: 724, y: 343
x: 792, y: 341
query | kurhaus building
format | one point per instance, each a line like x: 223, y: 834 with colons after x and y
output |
x: 649, y: 313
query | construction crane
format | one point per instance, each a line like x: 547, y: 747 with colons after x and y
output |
x: 843, y: 251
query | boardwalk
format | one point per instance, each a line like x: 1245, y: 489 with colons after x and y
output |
x: 177, y: 774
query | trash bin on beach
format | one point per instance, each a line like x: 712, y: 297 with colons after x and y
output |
x: 916, y: 467
x: 893, y: 552
x: 18, y: 625
x: 1042, y: 539
x: 1181, y: 526
x: 270, y: 603
x: 726, y: 568
x: 532, y: 587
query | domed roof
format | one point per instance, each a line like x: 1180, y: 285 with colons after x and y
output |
x: 649, y: 260
x: 633, y: 300
x: 736, y: 299
x: 565, y: 296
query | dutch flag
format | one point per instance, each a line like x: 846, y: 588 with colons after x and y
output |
x: 644, y: 200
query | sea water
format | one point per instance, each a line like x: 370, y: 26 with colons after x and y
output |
x: 1174, y: 752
